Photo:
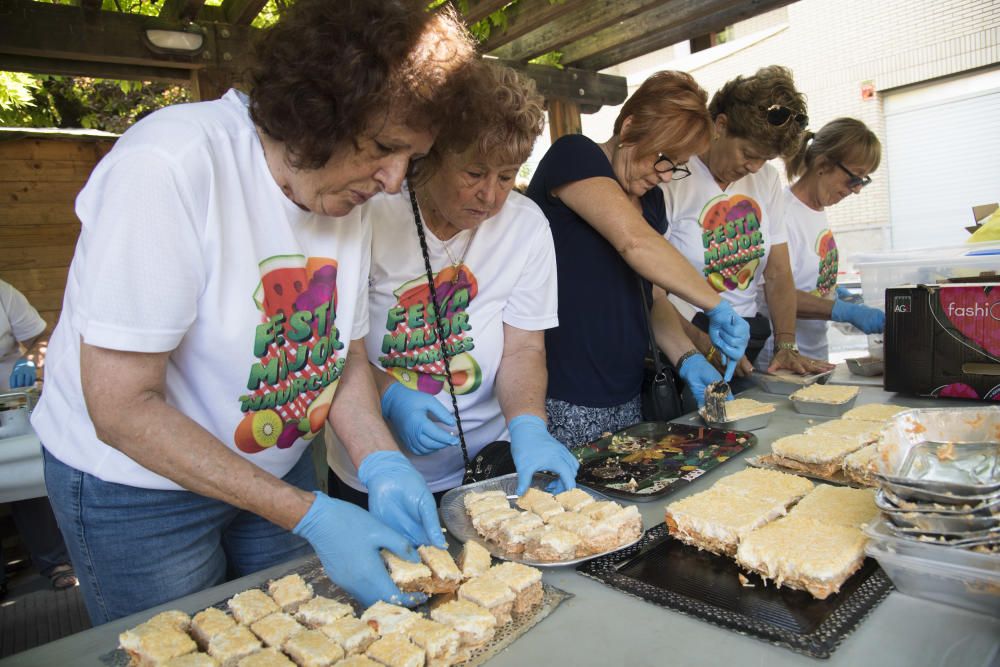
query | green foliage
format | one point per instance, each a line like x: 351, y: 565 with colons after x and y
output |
x: 552, y: 59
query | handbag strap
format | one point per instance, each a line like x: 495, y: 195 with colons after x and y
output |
x: 657, y: 364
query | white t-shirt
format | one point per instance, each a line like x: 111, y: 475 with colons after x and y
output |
x: 188, y: 246
x: 727, y: 234
x: 508, y: 276
x: 813, y: 254
x: 19, y: 321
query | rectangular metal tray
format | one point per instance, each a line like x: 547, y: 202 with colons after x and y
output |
x: 866, y: 366
x: 751, y: 423
x: 312, y: 571
x: 668, y: 573
x: 675, y: 455
x: 817, y: 409
x: 785, y: 383
x: 458, y: 523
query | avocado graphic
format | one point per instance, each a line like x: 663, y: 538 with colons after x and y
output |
x: 746, y: 274
x: 465, y: 373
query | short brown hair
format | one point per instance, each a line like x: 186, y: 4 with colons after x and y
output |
x: 745, y: 100
x: 668, y: 114
x: 840, y: 140
x: 503, y: 116
x: 328, y: 71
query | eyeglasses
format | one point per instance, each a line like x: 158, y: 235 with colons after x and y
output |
x: 664, y: 165
x: 855, y: 181
x: 778, y: 115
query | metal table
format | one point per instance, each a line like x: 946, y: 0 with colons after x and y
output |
x: 600, y: 626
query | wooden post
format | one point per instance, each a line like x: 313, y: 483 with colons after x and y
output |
x: 564, y: 118
x: 211, y: 83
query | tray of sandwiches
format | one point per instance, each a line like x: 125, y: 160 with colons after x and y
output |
x: 841, y: 451
x: 303, y: 619
x: 651, y: 459
x: 785, y: 382
x: 761, y: 552
x: 538, y: 528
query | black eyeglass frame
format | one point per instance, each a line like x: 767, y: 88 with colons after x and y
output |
x: 855, y: 180
x: 676, y: 171
x: 779, y: 115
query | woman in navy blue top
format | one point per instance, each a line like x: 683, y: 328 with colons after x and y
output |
x: 608, y: 218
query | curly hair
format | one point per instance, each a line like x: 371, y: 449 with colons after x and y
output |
x: 327, y: 72
x: 502, y: 117
x: 745, y: 99
x: 840, y: 140
x: 668, y: 115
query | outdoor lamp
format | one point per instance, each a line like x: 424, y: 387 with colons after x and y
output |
x: 184, y: 40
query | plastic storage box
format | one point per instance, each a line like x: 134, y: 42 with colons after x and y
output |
x: 949, y: 575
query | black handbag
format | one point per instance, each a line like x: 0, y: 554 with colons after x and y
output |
x: 661, y: 397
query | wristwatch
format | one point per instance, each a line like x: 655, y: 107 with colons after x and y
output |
x: 791, y: 347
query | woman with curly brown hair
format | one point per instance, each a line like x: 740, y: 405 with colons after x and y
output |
x: 830, y: 165
x: 728, y: 218
x: 607, y: 219
x: 214, y: 315
x: 462, y: 288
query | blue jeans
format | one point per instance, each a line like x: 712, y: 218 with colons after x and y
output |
x: 137, y: 548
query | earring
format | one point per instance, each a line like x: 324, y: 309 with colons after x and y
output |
x: 621, y: 145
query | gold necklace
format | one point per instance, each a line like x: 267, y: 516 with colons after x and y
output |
x: 455, y: 263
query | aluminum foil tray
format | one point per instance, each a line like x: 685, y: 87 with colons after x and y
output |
x: 784, y: 382
x: 988, y: 507
x: 948, y: 452
x: 819, y: 409
x: 312, y: 571
x: 671, y: 574
x: 460, y: 525
x: 963, y: 540
x: 918, y: 495
x: 751, y: 423
x: 941, y: 524
x: 866, y: 366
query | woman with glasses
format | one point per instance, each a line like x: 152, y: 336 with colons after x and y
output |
x: 607, y: 220
x: 727, y: 219
x: 830, y: 165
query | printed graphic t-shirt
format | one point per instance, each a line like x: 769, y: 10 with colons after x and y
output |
x: 727, y: 234
x: 508, y: 276
x: 595, y: 354
x: 19, y: 321
x: 813, y: 253
x: 188, y: 246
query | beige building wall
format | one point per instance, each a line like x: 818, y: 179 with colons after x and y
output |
x: 834, y: 47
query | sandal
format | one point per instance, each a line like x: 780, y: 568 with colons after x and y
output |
x: 62, y: 577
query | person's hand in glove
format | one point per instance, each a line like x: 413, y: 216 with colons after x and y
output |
x: 347, y: 540
x: 869, y: 320
x: 410, y: 411
x: 23, y: 374
x: 729, y: 332
x: 534, y: 449
x: 698, y: 373
x: 398, y: 497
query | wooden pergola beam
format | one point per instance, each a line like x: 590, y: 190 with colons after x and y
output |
x: 672, y: 22
x: 527, y: 16
x: 480, y: 9
x: 587, y: 89
x: 594, y: 15
x: 181, y: 10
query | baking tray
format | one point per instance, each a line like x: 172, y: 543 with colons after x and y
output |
x: 458, y: 523
x: 988, y: 507
x: 785, y: 382
x: 677, y: 454
x: 918, y: 495
x: 312, y: 571
x: 668, y: 573
x: 818, y: 409
x: 751, y: 423
x: 942, y: 524
x: 765, y: 461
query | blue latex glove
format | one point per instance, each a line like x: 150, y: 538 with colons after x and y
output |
x: 698, y: 373
x: 410, y: 411
x: 844, y: 293
x: 869, y: 320
x: 398, y: 497
x: 534, y: 449
x: 347, y: 540
x: 730, y: 333
x: 23, y: 374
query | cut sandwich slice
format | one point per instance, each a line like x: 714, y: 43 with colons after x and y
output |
x: 838, y: 506
x: 821, y: 454
x: 861, y: 432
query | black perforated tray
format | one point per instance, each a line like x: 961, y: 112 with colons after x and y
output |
x: 669, y: 573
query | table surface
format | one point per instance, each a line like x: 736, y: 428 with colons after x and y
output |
x: 600, y: 626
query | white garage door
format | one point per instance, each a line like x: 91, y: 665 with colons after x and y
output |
x: 943, y: 152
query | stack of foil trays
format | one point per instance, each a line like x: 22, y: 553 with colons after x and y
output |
x: 939, y: 475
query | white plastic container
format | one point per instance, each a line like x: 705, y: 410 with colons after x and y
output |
x: 949, y: 575
x: 920, y: 266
